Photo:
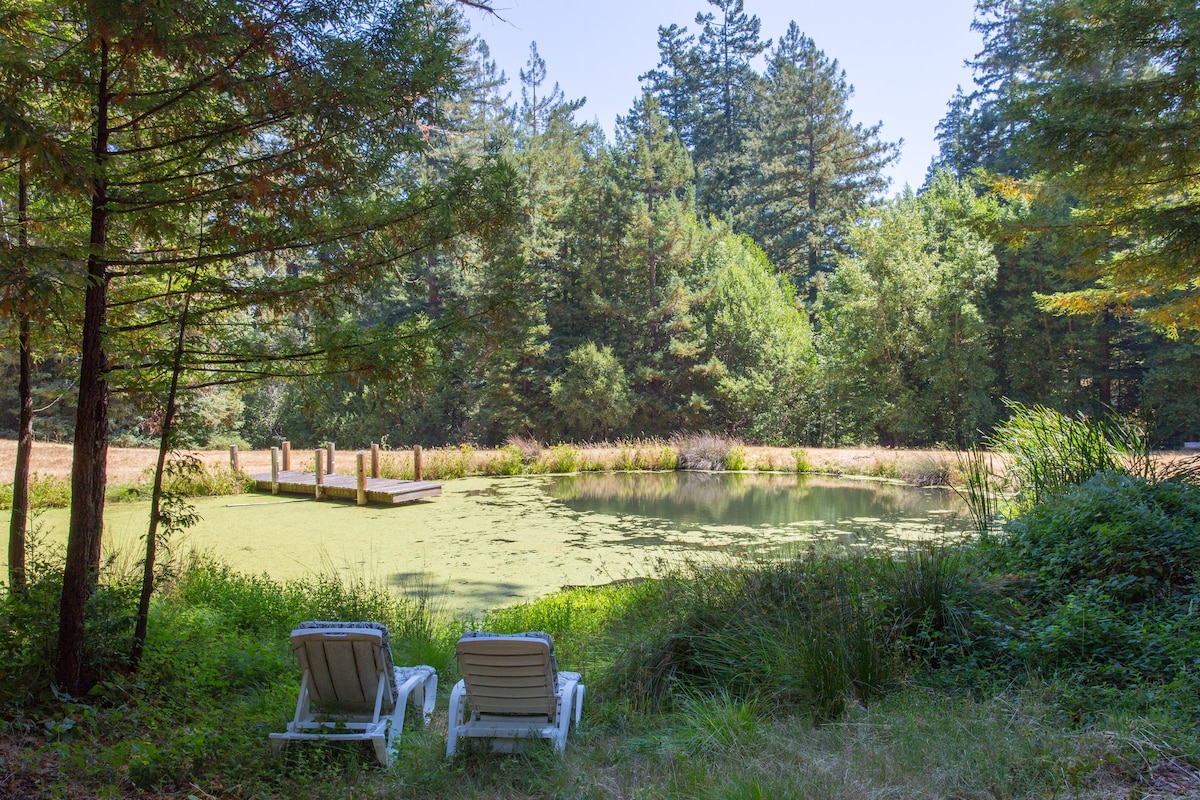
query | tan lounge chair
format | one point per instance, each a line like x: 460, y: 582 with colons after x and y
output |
x: 349, y: 689
x: 514, y: 691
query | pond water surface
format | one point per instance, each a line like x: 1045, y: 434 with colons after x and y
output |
x: 489, y: 542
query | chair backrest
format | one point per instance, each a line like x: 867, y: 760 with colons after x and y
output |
x: 509, y: 674
x: 345, y: 662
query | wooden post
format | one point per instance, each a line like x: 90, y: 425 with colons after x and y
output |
x: 374, y: 460
x: 274, y: 470
x: 233, y: 458
x: 320, y: 481
x: 329, y: 465
x: 362, y: 477
x: 287, y: 455
x: 416, y: 462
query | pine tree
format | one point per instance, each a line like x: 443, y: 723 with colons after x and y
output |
x: 1103, y: 101
x: 814, y: 169
x: 724, y: 87
x: 672, y: 81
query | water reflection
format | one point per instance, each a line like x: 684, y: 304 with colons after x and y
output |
x: 821, y: 507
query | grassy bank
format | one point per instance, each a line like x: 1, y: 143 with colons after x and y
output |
x: 1043, y: 663
x: 129, y: 469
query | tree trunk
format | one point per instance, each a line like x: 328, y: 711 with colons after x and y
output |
x: 89, y: 465
x: 164, y: 445
x: 18, y: 523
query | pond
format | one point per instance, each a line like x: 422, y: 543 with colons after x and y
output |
x: 489, y: 542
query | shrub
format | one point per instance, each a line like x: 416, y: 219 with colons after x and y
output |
x: 507, y: 461
x: 706, y: 451
x: 1130, y: 538
x: 448, y: 463
x: 531, y: 449
x: 45, y: 491
x: 560, y: 458
x: 735, y: 459
x: 803, y: 464
x: 210, y: 481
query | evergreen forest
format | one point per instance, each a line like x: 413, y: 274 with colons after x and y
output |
x: 317, y: 223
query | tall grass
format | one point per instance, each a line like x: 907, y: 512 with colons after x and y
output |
x: 45, y: 491
x: 1051, y: 452
x: 559, y: 458
x: 980, y: 489
x: 708, y: 451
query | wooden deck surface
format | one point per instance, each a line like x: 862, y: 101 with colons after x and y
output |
x: 379, y: 490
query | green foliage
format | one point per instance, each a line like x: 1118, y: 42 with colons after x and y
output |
x: 759, y: 344
x: 651, y: 454
x: 1051, y: 452
x: 980, y: 488
x: 508, y: 461
x: 816, y: 171
x: 904, y: 347
x: 27, y: 639
x: 1120, y: 535
x: 592, y: 391
x: 735, y: 459
x: 448, y: 463
x: 808, y: 632
x: 45, y: 491
x: 560, y: 458
x: 1097, y: 96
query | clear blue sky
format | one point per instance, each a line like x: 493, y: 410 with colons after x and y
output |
x: 903, y: 57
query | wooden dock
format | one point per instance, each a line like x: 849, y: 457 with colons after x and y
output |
x: 378, y: 490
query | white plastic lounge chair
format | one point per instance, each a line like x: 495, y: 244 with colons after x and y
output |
x: 514, y: 691
x: 349, y: 689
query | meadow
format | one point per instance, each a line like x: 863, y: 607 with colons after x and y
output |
x: 1041, y: 659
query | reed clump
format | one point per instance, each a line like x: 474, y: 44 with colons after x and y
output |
x: 708, y: 452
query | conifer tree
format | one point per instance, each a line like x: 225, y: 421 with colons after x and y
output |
x: 221, y: 140
x: 724, y: 86
x: 1102, y: 100
x: 814, y: 168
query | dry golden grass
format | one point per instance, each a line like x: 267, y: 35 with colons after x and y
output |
x: 127, y: 464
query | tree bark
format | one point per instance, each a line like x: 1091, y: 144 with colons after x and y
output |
x: 18, y: 523
x: 164, y: 446
x: 89, y: 465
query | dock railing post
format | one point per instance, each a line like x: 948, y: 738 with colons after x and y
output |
x: 320, y: 481
x: 287, y: 455
x: 416, y: 462
x: 329, y: 465
x: 274, y: 470
x: 374, y: 460
x: 362, y: 477
x: 233, y: 458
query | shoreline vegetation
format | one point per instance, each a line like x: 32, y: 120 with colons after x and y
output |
x: 1053, y: 655
x: 130, y: 469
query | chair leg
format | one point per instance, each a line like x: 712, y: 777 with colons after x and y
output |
x: 429, y: 697
x: 455, y: 718
x: 382, y: 748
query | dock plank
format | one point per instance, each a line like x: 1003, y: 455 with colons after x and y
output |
x: 379, y: 490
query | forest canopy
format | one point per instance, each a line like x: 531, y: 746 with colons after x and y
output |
x: 330, y: 222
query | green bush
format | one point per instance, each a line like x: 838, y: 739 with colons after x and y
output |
x: 560, y: 458
x: 45, y: 491
x: 508, y: 461
x: 1127, y: 537
x: 1111, y: 588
